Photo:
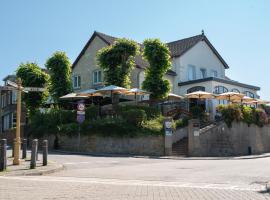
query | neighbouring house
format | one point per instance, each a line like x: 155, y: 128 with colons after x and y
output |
x: 196, y: 65
x: 8, y: 107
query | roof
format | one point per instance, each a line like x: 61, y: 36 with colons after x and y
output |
x: 177, y: 48
x: 236, y: 83
x: 180, y: 47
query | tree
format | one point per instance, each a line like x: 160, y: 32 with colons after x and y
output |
x: 59, y: 68
x: 117, y: 62
x: 32, y: 76
x: 158, y: 56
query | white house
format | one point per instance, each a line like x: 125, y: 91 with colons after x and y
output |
x: 196, y: 65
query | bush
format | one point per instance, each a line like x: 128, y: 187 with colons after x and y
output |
x: 260, y: 117
x: 91, y: 112
x: 134, y: 116
x: 180, y: 123
x: 247, y: 114
x: 151, y: 112
x: 230, y: 113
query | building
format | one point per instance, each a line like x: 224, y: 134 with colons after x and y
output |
x: 8, y: 107
x: 196, y: 65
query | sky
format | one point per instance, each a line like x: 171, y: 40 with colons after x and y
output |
x: 31, y: 30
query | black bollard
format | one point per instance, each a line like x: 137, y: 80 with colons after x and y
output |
x: 33, y: 163
x: 3, y: 155
x: 24, y: 148
x: 45, y: 152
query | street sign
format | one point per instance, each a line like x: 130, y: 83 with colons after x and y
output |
x: 34, y: 89
x: 80, y: 118
x: 81, y: 107
x: 80, y: 112
x: 12, y: 84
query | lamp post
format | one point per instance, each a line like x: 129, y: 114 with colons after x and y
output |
x: 16, y: 160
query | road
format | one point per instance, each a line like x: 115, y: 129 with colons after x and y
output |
x: 89, y: 177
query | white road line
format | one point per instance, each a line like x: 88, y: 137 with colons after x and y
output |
x: 136, y: 182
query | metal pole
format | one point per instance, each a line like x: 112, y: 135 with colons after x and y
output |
x: 16, y: 160
x: 24, y: 148
x: 45, y: 152
x: 33, y: 163
x: 3, y: 155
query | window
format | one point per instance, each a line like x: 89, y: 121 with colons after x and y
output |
x: 191, y: 72
x: 3, y: 100
x: 194, y: 89
x: 214, y: 73
x: 76, y: 81
x: 14, y: 97
x: 220, y: 90
x: 235, y: 90
x: 249, y: 94
x: 97, y: 77
x: 203, y: 73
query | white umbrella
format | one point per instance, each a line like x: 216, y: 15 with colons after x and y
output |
x: 113, y: 89
x: 174, y: 96
x: 73, y: 95
x: 135, y: 92
x: 199, y: 95
x: 230, y: 96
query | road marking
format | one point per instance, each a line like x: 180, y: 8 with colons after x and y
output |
x: 136, y: 182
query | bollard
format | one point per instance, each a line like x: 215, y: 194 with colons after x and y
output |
x: 33, y: 163
x: 3, y: 155
x: 24, y: 148
x: 45, y: 152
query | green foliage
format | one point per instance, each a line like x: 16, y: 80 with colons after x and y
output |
x: 158, y: 56
x: 230, y: 113
x: 59, y: 68
x: 91, y: 112
x: 51, y: 122
x: 151, y: 112
x: 134, y: 116
x: 117, y: 61
x: 180, y: 123
x: 260, y: 117
x: 248, y: 115
x: 32, y: 76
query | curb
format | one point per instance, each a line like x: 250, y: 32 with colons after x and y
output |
x: 164, y: 157
x: 36, y: 172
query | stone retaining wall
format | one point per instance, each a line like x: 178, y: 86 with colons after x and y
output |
x: 220, y: 140
x: 147, y: 145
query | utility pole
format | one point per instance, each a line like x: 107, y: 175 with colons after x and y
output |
x: 16, y: 160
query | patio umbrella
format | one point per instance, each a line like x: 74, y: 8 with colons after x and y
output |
x: 73, y: 96
x: 230, y: 96
x: 174, y: 96
x: 135, y: 92
x: 90, y: 93
x: 199, y: 95
x: 113, y: 89
x: 244, y: 99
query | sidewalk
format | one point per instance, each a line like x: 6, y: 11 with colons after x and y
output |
x: 24, y: 168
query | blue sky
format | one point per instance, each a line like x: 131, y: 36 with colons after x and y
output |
x: 31, y: 30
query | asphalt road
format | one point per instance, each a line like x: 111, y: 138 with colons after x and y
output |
x: 88, y: 177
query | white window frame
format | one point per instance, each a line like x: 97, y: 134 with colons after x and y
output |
x: 191, y: 72
x: 98, y: 74
x: 76, y: 81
